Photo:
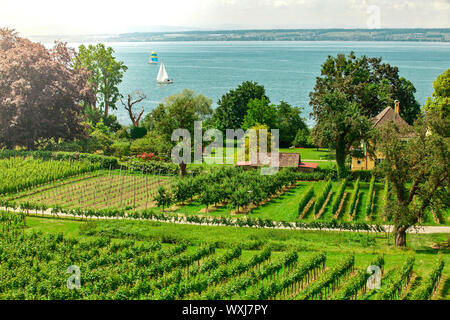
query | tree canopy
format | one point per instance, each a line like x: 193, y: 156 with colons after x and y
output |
x: 339, y: 125
x: 179, y: 111
x: 233, y: 105
x: 368, y: 82
x: 106, y: 74
x: 41, y: 94
x: 440, y: 101
x: 260, y: 112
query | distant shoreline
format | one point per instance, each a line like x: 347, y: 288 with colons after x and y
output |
x: 360, y: 35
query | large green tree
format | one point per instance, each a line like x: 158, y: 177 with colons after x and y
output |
x: 339, y: 125
x: 260, y: 111
x: 106, y: 74
x: 180, y: 111
x: 290, y: 123
x: 417, y: 168
x: 368, y: 82
x: 233, y: 105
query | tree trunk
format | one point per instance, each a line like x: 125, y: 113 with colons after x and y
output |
x: 183, y: 169
x: 340, y: 161
x: 400, y: 236
x: 106, y: 111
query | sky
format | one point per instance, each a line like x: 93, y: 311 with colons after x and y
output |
x: 51, y: 17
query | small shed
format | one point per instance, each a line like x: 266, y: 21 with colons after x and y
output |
x: 286, y: 160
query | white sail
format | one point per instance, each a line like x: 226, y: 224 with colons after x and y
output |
x: 163, y: 77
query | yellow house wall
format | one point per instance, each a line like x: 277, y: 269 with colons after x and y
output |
x: 366, y: 163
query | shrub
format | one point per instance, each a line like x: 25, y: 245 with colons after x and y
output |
x: 354, y: 197
x: 154, y: 167
x: 106, y: 162
x: 369, y: 204
x: 121, y: 149
x: 305, y: 199
x: 137, y: 132
x: 322, y: 197
x: 339, y: 194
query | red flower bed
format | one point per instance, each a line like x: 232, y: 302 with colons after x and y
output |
x: 147, y: 156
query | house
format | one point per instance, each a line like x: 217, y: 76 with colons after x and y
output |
x: 367, y: 162
x: 286, y: 160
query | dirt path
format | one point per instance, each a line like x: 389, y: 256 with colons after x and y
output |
x: 388, y: 228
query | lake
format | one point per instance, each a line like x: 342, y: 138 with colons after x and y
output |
x: 286, y: 69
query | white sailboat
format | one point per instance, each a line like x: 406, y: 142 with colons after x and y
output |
x: 163, y: 77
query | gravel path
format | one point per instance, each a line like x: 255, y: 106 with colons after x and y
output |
x: 388, y: 228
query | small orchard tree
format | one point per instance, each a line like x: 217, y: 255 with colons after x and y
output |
x: 164, y: 198
x: 417, y: 168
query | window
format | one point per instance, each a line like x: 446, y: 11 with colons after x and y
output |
x: 358, y: 162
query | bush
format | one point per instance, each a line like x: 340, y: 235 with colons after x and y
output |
x: 365, y: 175
x: 369, y: 205
x: 123, y: 134
x: 355, y: 192
x: 322, y: 197
x: 337, y: 199
x: 106, y: 162
x: 154, y: 167
x: 121, y: 149
x: 305, y: 199
x: 303, y: 139
x: 137, y: 132
x: 153, y: 142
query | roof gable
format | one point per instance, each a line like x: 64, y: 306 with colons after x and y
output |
x: 387, y: 115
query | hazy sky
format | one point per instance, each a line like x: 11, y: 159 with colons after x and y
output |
x: 37, y: 17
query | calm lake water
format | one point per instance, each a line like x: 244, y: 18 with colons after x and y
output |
x: 286, y: 69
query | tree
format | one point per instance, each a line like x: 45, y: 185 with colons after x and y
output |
x: 303, y: 138
x: 440, y: 100
x: 41, y: 94
x: 368, y: 82
x: 180, y: 111
x: 290, y: 123
x: 164, y: 198
x: 106, y: 74
x: 417, y: 168
x: 339, y: 125
x: 133, y: 99
x: 233, y: 105
x: 260, y: 112
x: 249, y: 149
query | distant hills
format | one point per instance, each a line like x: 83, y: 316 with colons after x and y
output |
x: 436, y: 35
x: 429, y: 35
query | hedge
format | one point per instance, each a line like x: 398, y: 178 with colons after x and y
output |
x: 305, y: 199
x: 107, y: 162
x: 337, y: 199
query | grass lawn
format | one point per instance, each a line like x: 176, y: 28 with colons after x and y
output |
x: 311, y: 153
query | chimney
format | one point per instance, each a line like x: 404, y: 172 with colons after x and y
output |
x: 397, y: 107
